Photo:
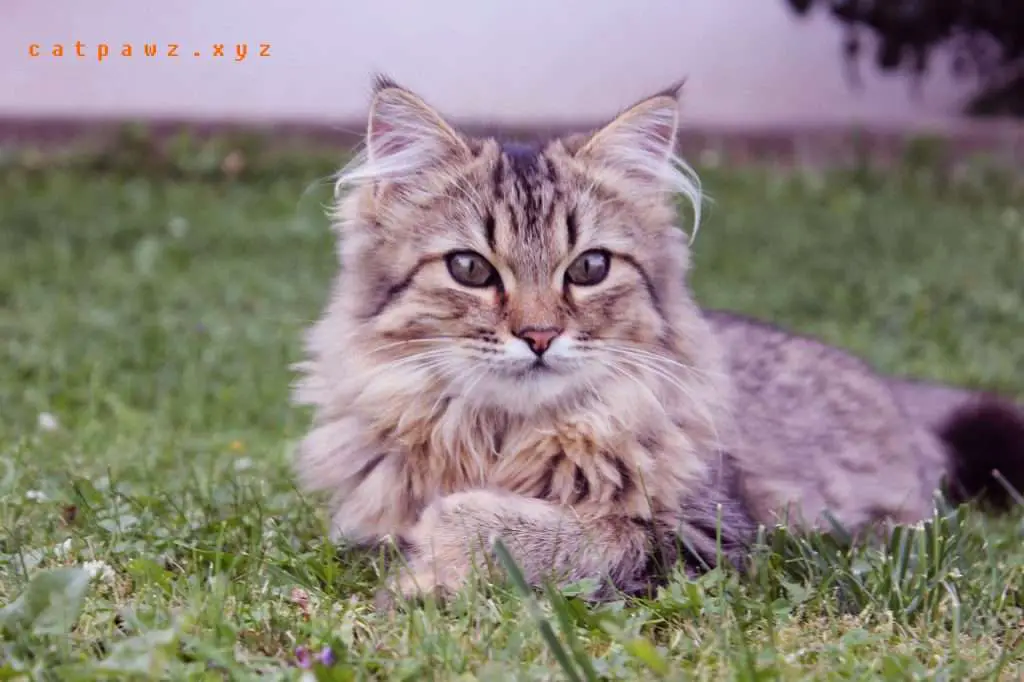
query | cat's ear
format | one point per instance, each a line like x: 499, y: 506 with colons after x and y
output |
x: 640, y: 141
x: 405, y: 136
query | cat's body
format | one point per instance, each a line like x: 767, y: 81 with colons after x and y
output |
x: 893, y: 442
x: 511, y: 351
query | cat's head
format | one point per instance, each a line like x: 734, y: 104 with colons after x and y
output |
x: 514, y: 274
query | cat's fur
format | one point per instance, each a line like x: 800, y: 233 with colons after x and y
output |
x: 655, y: 432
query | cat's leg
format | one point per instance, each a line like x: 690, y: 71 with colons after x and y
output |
x: 455, y: 535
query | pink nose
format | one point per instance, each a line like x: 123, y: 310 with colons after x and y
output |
x: 538, y: 338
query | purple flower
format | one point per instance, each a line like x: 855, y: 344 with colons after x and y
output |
x: 327, y: 657
x: 304, y: 657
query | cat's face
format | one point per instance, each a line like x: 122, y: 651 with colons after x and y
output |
x: 515, y: 275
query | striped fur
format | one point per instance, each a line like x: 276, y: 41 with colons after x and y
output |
x: 425, y: 400
x: 649, y: 430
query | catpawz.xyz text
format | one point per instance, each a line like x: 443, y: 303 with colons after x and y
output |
x: 237, y: 52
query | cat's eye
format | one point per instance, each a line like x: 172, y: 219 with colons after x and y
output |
x: 589, y: 268
x: 470, y: 269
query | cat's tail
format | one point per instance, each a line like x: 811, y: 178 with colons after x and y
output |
x: 985, y: 441
x: 983, y: 435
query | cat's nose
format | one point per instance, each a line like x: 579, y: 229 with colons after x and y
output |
x: 538, y: 338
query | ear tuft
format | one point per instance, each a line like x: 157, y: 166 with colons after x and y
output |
x: 404, y: 129
x: 674, y: 91
x: 640, y: 138
x: 404, y: 137
x: 382, y: 81
x: 640, y: 144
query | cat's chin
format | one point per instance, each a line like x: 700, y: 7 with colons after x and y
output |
x: 529, y: 391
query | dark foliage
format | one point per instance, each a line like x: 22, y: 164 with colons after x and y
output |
x: 983, y: 38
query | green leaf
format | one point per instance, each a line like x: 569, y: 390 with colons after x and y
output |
x: 568, y: 624
x: 145, y: 654
x: 342, y: 673
x: 546, y: 631
x: 797, y: 593
x: 145, y: 570
x: 49, y: 605
x: 639, y: 648
x: 643, y: 650
x: 8, y: 672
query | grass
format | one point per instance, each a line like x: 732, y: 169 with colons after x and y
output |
x: 147, y: 321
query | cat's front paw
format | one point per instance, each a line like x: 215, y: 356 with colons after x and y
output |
x: 411, y: 585
x: 424, y: 575
x: 448, y: 544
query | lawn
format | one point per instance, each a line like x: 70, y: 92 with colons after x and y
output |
x: 150, y: 525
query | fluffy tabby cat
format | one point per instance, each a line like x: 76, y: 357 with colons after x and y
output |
x: 511, y: 350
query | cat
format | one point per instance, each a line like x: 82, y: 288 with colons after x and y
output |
x: 511, y: 350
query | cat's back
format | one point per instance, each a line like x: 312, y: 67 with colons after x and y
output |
x: 820, y: 429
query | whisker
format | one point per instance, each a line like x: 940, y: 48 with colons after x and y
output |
x: 662, y: 358
x: 470, y: 194
x: 427, y: 339
x: 705, y: 413
x: 448, y: 385
x: 423, y: 355
x: 668, y: 363
x: 484, y: 371
x: 435, y: 354
x: 616, y: 367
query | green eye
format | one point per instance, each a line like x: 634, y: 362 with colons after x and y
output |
x: 470, y: 269
x: 590, y: 268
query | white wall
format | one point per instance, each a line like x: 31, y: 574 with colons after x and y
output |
x: 747, y: 61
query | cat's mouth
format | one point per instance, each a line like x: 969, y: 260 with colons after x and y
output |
x: 537, y: 368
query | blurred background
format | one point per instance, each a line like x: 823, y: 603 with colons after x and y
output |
x: 747, y: 62
x: 164, y: 141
